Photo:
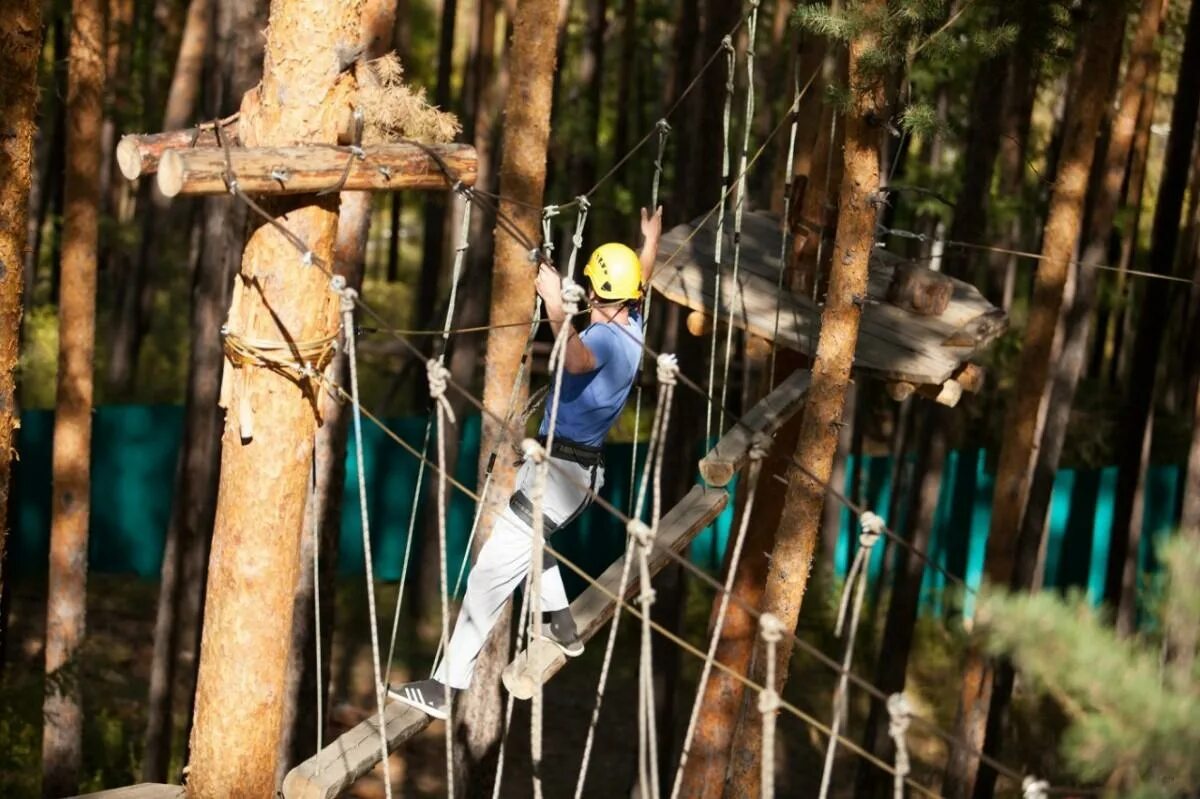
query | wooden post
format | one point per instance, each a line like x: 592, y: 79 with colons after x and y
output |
x: 796, y: 537
x: 254, y: 562
x: 522, y: 178
x: 19, y: 58
x: 62, y: 754
x: 1102, y: 44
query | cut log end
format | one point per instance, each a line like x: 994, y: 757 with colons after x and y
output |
x: 129, y: 157
x: 170, y: 173
x: 699, y: 324
x: 716, y: 473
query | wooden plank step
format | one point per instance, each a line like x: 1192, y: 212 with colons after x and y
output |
x: 765, y: 418
x: 352, y: 754
x: 593, y: 608
x: 143, y: 790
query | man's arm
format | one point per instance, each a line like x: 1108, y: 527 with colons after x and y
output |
x: 652, y: 232
x: 579, y: 359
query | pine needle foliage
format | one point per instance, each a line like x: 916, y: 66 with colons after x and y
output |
x: 1135, y: 719
x: 394, y: 110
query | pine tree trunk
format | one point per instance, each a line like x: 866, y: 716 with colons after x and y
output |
x: 683, y: 67
x: 587, y: 99
x: 898, y: 631
x: 831, y: 523
x: 1004, y: 549
x: 522, y: 178
x: 626, y: 104
x: 20, y: 56
x: 130, y: 324
x: 800, y: 523
x: 49, y: 209
x: 254, y: 565
x: 221, y: 226
x: 1121, y: 584
x: 62, y: 745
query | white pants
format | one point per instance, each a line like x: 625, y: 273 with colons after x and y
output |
x: 504, y: 560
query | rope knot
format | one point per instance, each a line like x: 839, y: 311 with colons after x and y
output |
x: 663, y: 127
x: 668, y: 369
x: 770, y: 628
x: 550, y: 211
x: 899, y: 715
x: 768, y: 701
x: 583, y: 202
x: 348, y: 298
x: 533, y: 451
x: 872, y: 527
x: 1033, y: 788
x: 640, y: 531
x: 306, y: 259
x: 439, y: 379
x: 233, y: 186
x: 572, y: 295
x: 760, y: 447
x: 727, y: 44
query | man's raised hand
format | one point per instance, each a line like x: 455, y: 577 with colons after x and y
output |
x: 549, y: 288
x: 652, y: 224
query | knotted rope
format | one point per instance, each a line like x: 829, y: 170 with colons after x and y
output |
x: 771, y: 630
x: 758, y: 451
x: 1033, y: 788
x: 536, y: 454
x: 643, y: 535
x: 899, y: 716
x: 856, y: 582
x: 577, y: 239
x: 438, y: 376
x: 346, y: 305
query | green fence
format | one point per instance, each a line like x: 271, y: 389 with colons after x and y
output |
x: 134, y: 452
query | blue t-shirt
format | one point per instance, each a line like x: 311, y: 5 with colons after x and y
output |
x: 592, y: 402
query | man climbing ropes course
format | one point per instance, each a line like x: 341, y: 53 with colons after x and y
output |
x: 600, y: 366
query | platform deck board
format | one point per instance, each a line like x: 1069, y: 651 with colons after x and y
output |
x: 893, y: 343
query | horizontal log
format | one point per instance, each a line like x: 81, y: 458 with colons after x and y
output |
x: 143, y: 790
x: 765, y: 418
x: 304, y: 170
x: 139, y: 153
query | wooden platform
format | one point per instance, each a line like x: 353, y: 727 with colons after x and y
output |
x: 733, y: 450
x: 145, y: 790
x: 894, y: 344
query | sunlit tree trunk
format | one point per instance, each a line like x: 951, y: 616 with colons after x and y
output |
x: 20, y: 55
x: 522, y: 178
x: 800, y: 521
x: 1101, y: 43
x: 62, y: 744
x: 265, y: 473
x: 1121, y: 584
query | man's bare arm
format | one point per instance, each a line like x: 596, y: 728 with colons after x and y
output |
x: 652, y: 232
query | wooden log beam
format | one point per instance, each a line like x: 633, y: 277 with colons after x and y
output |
x: 593, y: 608
x: 143, y: 790
x: 139, y: 153
x: 307, y: 170
x: 765, y: 418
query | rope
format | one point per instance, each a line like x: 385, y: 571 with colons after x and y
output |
x: 346, y: 305
x: 1033, y: 788
x: 727, y: 44
x: 316, y: 578
x: 899, y: 715
x: 577, y: 239
x: 856, y: 582
x: 784, y: 221
x: 456, y: 276
x: 771, y: 630
x: 535, y: 453
x: 664, y: 130
x: 643, y: 535
x: 438, y: 374
x: 757, y: 452
x: 668, y: 370
x: 739, y: 206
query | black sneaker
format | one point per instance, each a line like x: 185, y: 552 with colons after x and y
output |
x: 558, y: 627
x: 428, y: 696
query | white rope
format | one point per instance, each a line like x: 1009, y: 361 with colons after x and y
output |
x: 643, y: 534
x: 899, y: 716
x: 464, y: 243
x: 1033, y: 788
x: 537, y: 455
x: 577, y: 239
x: 664, y: 130
x: 758, y: 452
x: 668, y: 376
x: 771, y: 630
x: 348, y: 296
x: 785, y: 219
x: 726, y: 43
x: 438, y: 376
x: 739, y: 208
x: 856, y: 582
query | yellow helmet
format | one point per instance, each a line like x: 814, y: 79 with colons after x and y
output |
x: 615, y: 272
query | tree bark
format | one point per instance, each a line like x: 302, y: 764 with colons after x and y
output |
x: 62, y: 744
x: 800, y: 523
x: 522, y: 179
x: 892, y: 667
x: 253, y: 568
x: 322, y: 512
x: 134, y: 292
x: 626, y: 103
x: 20, y: 56
x: 1102, y: 43
x: 1121, y: 584
x: 683, y: 66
